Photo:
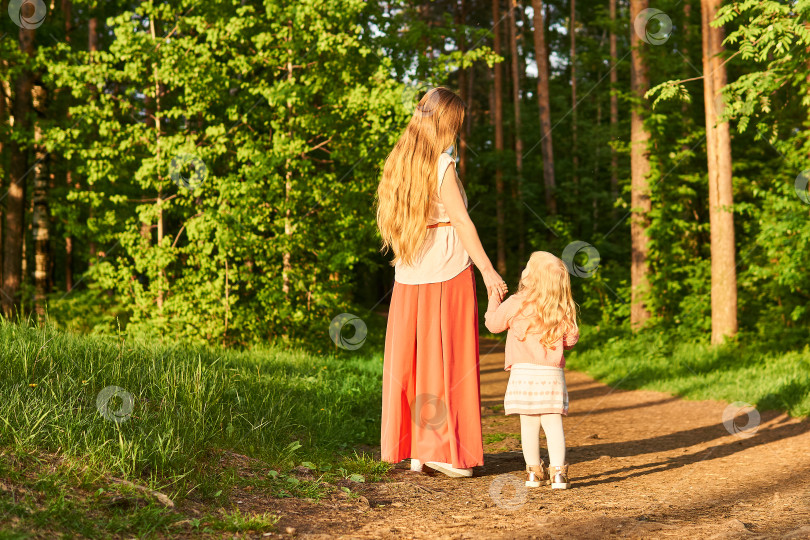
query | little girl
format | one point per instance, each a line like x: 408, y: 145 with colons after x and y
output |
x: 541, y: 318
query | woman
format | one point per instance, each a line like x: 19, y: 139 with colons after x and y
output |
x: 431, y: 396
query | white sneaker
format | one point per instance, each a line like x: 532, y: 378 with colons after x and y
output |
x: 449, y: 470
x: 416, y: 465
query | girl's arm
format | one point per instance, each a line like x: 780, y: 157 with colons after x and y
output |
x: 497, y: 316
x: 570, y: 339
x: 454, y: 205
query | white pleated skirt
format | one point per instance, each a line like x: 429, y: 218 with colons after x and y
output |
x: 534, y: 389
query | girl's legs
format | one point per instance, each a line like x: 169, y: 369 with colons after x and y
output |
x: 555, y: 437
x: 530, y: 438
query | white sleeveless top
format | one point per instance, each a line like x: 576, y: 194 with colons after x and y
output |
x: 442, y: 256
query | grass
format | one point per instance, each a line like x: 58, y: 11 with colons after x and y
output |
x: 176, y: 413
x: 771, y: 373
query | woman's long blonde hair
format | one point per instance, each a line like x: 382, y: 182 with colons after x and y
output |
x: 548, y: 302
x: 408, y: 185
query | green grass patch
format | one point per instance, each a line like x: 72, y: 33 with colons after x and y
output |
x: 492, y: 438
x: 769, y: 373
x: 173, y: 418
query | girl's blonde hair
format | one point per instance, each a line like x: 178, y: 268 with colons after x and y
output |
x: 409, y: 180
x: 548, y: 301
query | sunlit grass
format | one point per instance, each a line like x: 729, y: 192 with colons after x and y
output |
x: 771, y: 374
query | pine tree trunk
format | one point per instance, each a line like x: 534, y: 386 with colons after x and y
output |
x: 41, y: 216
x: 543, y: 93
x: 92, y: 47
x: 721, y: 200
x: 67, y: 7
x: 160, y: 221
x: 639, y: 186
x: 18, y: 170
x: 614, y: 105
x: 516, y: 70
x: 573, y: 35
x: 498, y: 125
x: 286, y: 257
x: 461, y: 18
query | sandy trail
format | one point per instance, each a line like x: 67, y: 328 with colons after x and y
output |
x: 643, y: 464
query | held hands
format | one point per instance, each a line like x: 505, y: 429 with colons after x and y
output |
x: 496, y: 286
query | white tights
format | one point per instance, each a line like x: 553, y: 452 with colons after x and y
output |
x: 530, y: 438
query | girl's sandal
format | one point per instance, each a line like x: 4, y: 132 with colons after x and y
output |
x: 536, y: 475
x: 559, y: 476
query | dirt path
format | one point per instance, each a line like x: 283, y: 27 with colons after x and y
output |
x: 643, y: 464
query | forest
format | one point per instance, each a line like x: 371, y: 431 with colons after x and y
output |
x: 185, y: 170
x: 206, y: 171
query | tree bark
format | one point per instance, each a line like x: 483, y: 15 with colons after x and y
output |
x: 640, y: 170
x: 614, y: 105
x: 67, y: 8
x: 92, y: 47
x: 41, y: 216
x: 546, y: 144
x: 721, y: 199
x: 498, y: 125
x: 573, y: 35
x: 516, y: 70
x: 461, y: 18
x: 286, y: 257
x: 18, y: 170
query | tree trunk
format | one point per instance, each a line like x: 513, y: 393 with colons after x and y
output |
x: 573, y: 34
x: 68, y: 263
x: 516, y: 70
x: 18, y: 170
x: 546, y: 145
x: 67, y: 7
x: 160, y: 220
x: 286, y: 257
x: 614, y: 105
x: 721, y: 200
x: 41, y: 217
x: 640, y: 170
x: 92, y: 46
x: 498, y: 125
x: 461, y: 18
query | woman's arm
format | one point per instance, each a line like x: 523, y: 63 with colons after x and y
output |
x: 454, y: 205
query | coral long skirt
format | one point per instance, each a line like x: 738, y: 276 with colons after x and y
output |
x: 431, y: 407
